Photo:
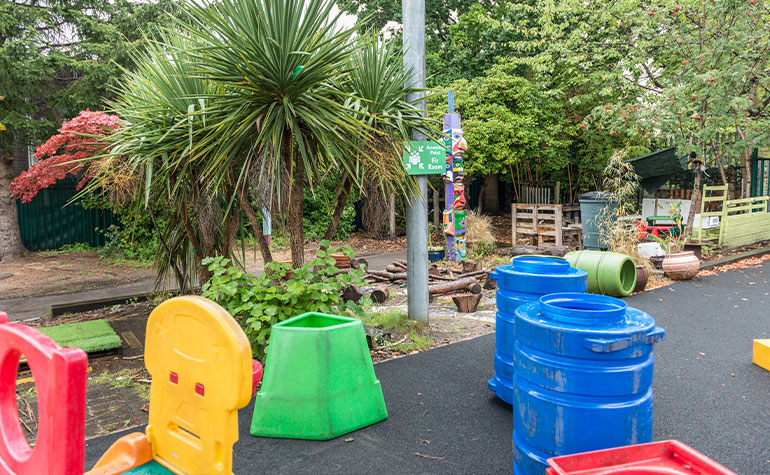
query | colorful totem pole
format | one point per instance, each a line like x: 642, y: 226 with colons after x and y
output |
x: 454, y: 214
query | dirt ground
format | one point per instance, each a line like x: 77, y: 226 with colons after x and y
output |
x: 53, y: 272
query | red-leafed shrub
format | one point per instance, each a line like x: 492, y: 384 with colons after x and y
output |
x: 59, y: 157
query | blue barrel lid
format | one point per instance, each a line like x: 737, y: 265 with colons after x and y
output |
x: 539, y: 275
x: 586, y: 326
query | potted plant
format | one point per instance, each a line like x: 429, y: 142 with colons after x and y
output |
x: 435, y: 253
x: 676, y: 264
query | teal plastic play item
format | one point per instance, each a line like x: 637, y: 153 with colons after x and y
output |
x: 150, y: 468
x: 319, y: 382
x: 609, y: 273
x: 595, y: 208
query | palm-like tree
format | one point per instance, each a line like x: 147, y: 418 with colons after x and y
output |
x: 379, y: 85
x: 282, y: 115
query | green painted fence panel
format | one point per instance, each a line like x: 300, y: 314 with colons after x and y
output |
x: 48, y: 222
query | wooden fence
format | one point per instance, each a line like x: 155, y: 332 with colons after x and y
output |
x: 740, y: 222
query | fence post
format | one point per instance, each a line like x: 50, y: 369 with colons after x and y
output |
x: 753, y: 178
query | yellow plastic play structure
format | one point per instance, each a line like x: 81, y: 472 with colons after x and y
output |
x: 201, y: 367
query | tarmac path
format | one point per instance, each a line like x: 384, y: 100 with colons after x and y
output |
x: 443, y: 419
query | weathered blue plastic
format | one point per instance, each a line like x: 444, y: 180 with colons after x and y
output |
x: 583, y: 377
x: 525, y: 280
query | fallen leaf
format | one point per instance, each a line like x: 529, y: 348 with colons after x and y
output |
x: 702, y: 353
x: 349, y: 439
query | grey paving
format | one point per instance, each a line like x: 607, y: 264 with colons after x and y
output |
x: 30, y: 308
x: 707, y: 394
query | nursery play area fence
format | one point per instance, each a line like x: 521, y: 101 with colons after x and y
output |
x: 732, y: 223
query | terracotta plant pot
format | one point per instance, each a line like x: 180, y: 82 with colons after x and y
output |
x: 341, y: 260
x: 641, y: 278
x: 681, y: 266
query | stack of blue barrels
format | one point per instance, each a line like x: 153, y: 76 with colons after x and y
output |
x: 581, y: 367
x: 525, y: 280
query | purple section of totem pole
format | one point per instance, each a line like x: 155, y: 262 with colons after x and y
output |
x: 451, y: 121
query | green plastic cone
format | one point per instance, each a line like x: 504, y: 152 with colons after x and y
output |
x: 319, y: 381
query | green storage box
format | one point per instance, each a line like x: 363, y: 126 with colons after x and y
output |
x: 319, y: 380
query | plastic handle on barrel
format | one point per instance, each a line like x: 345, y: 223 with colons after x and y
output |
x: 607, y: 345
x: 656, y: 335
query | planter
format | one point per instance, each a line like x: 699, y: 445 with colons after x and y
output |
x: 681, y: 266
x: 657, y: 261
x: 341, y: 261
x: 641, y: 278
x: 435, y: 255
x: 319, y: 382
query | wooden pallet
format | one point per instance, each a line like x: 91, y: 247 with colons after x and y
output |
x: 544, y: 225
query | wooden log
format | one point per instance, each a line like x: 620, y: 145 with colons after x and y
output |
x: 472, y: 274
x: 357, y: 262
x: 400, y: 264
x: 440, y: 277
x: 434, y: 271
x: 466, y: 303
x: 468, y: 283
x: 388, y: 275
x: 379, y: 295
x: 352, y: 293
x: 490, y: 284
x: 394, y: 269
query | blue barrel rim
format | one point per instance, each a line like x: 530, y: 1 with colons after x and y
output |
x: 542, y: 265
x: 582, y: 309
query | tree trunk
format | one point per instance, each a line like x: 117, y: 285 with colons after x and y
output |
x: 745, y: 168
x: 480, y: 199
x: 392, y: 216
x: 341, y: 200
x: 694, y: 206
x: 296, y: 232
x: 10, y: 236
x: 256, y: 225
x: 491, y: 197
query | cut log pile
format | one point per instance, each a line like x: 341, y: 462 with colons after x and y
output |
x: 441, y: 280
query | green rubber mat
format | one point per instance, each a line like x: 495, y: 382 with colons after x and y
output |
x: 150, y: 468
x: 93, y: 336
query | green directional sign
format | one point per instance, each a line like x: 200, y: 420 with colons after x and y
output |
x: 424, y: 158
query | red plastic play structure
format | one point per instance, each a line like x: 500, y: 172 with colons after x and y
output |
x: 220, y: 372
x: 669, y: 457
x: 60, y: 380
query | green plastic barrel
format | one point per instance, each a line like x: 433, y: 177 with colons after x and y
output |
x: 609, y: 273
x: 595, y: 206
x: 319, y: 381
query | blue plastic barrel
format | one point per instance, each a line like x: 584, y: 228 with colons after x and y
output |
x: 583, y: 377
x: 525, y: 280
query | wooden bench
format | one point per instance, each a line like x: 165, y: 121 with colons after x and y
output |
x: 544, y: 225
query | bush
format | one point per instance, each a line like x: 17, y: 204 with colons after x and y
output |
x: 318, y: 208
x: 478, y: 235
x: 259, y: 302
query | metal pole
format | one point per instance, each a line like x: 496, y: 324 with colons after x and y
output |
x: 417, y: 212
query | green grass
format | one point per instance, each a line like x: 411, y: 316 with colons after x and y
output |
x: 92, y: 336
x: 69, y: 248
x: 410, y: 334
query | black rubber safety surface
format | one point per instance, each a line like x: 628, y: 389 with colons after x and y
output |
x: 443, y: 419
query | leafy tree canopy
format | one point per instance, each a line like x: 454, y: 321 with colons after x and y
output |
x: 58, y: 57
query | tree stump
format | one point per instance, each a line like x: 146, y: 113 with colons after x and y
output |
x: 357, y: 262
x: 379, y: 295
x: 466, y: 303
